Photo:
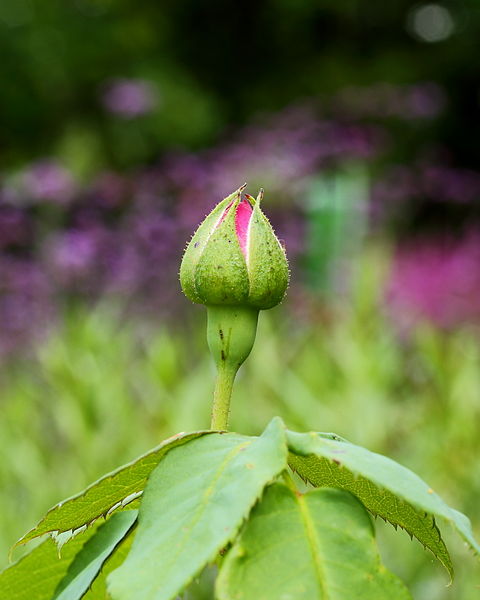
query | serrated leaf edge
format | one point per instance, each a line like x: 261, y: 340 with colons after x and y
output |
x: 27, y: 537
x: 235, y: 531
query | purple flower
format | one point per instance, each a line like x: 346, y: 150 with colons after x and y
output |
x: 72, y: 260
x: 26, y: 307
x: 47, y: 180
x: 15, y: 228
x: 401, y: 184
x: 448, y: 184
x: 425, y: 100
x: 74, y: 251
x: 110, y: 189
x: 129, y: 98
x: 437, y: 279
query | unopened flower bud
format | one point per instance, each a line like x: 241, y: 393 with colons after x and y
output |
x: 235, y: 265
x: 234, y: 257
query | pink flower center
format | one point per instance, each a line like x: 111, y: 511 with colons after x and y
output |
x: 242, y: 221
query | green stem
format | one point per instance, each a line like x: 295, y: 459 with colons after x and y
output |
x: 221, y: 398
x: 231, y: 334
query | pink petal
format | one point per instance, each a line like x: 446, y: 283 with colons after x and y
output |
x: 242, y: 221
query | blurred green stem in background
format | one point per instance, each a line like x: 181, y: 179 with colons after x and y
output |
x: 336, y: 211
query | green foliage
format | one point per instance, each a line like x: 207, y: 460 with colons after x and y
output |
x: 98, y: 588
x: 52, y: 80
x: 386, y: 488
x: 88, y: 562
x: 111, y: 492
x: 37, y: 574
x: 316, y: 545
x: 48, y: 574
x: 197, y: 508
x: 194, y: 504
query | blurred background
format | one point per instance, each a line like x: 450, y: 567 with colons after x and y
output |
x: 123, y: 123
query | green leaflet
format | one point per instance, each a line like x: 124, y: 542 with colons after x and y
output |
x: 98, y: 589
x: 36, y: 575
x: 314, y: 546
x: 112, y: 491
x: 386, y: 488
x: 193, y: 505
x: 89, y: 561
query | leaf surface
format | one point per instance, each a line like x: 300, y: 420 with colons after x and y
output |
x: 193, y: 505
x: 314, y: 546
x: 88, y: 562
x: 36, y: 575
x: 111, y: 492
x: 385, y: 487
x: 98, y: 589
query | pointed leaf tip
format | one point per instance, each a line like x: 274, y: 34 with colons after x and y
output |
x: 276, y: 423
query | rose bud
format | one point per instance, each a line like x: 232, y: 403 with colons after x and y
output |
x: 235, y: 265
x: 234, y: 258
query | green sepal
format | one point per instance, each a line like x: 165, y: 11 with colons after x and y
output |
x: 267, y: 262
x: 196, y: 247
x: 221, y: 275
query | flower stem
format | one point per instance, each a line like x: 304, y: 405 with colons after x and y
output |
x: 231, y: 334
x: 221, y: 398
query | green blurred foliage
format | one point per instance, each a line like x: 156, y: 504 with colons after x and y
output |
x: 213, y: 64
x: 101, y: 392
x: 57, y: 57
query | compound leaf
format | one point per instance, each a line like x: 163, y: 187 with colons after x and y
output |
x: 193, y: 505
x: 115, y: 490
x: 385, y: 487
x: 319, y: 545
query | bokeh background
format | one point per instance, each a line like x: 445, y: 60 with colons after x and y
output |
x: 122, y: 123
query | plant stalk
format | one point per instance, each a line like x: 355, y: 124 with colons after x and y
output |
x: 231, y: 334
x: 221, y: 397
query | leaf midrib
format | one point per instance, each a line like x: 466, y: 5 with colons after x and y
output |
x: 435, y: 544
x: 314, y: 544
x: 204, y: 503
